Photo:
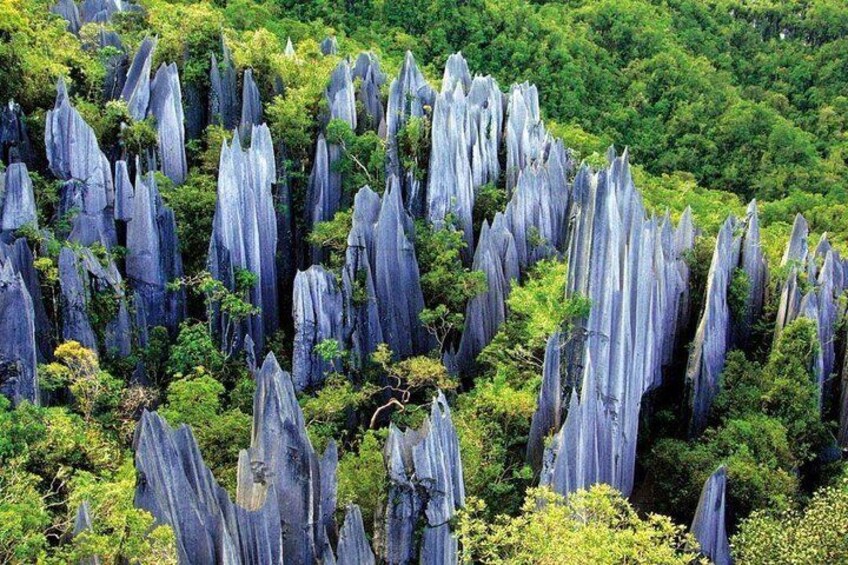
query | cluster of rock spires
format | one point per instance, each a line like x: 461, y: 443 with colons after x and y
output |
x: 286, y: 495
x: 425, y: 482
x: 244, y: 235
x: 737, y: 254
x: 629, y: 265
x: 631, y: 268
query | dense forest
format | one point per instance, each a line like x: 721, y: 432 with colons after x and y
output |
x: 436, y: 281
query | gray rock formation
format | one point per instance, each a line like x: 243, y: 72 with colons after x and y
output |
x: 251, y: 104
x: 289, y: 50
x: 620, y: 261
x: 813, y: 293
x: 362, y: 316
x: 223, y: 93
x: 91, y: 287
x: 175, y: 486
x: 15, y: 145
x: 329, y: 46
x: 116, y: 62
x: 153, y: 256
x: 244, y: 234
x: 425, y: 482
x: 708, y: 525
x: 497, y: 258
x: 548, y: 415
x: 281, y: 467
x: 68, y: 10
x: 318, y: 316
x: 737, y: 253
x: 166, y: 106
x: 75, y: 158
x: 21, y: 259
x: 17, y: 201
x: 18, y: 372
x: 396, y: 278
x: 409, y: 96
x: 124, y: 192
x: 525, y: 135
x: 354, y: 548
x: 371, y: 116
x: 82, y: 522
x: 136, y: 91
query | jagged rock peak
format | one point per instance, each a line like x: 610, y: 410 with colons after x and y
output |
x: 354, y: 548
x: 626, y: 264
x: 84, y: 279
x: 708, y: 525
x: 282, y: 466
x: 548, y: 415
x: 425, y: 480
x: 124, y: 192
x: 179, y: 490
x: 396, y: 278
x: 318, y: 316
x: 497, y: 257
x: 244, y: 234
x: 456, y: 73
x: 289, y: 50
x: 796, y: 248
x: 329, y: 46
x: 153, y: 256
x: 82, y: 522
x: 362, y: 315
x: 223, y: 93
x: 372, y: 116
x: 20, y: 256
x: 75, y: 157
x: 136, y: 91
x: 166, y: 106
x: 17, y: 201
x: 409, y: 96
x: 18, y: 360
x: 340, y: 94
x: 68, y: 10
x: 14, y: 138
x: 251, y: 104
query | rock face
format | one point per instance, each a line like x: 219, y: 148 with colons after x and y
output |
x: 75, y: 158
x: 282, y: 469
x: 20, y: 257
x: 353, y: 544
x: 136, y: 91
x: 166, y: 106
x: 362, y: 315
x: 737, y: 254
x: 396, y: 278
x: 467, y: 124
x: 425, y: 482
x: 497, y: 257
x: 17, y: 202
x: 318, y: 312
x: 371, y: 115
x: 68, y: 10
x: 223, y: 96
x: 820, y: 303
x: 244, y: 234
x: 329, y: 46
x: 18, y: 374
x: 90, y: 287
x: 548, y: 415
x: 409, y: 96
x: 153, y: 258
x: 82, y: 522
x: 708, y: 525
x: 116, y: 63
x: 620, y: 260
x: 251, y: 105
x: 176, y: 487
x: 124, y: 192
x: 14, y: 139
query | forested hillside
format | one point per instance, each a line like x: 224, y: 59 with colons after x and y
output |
x: 438, y: 282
